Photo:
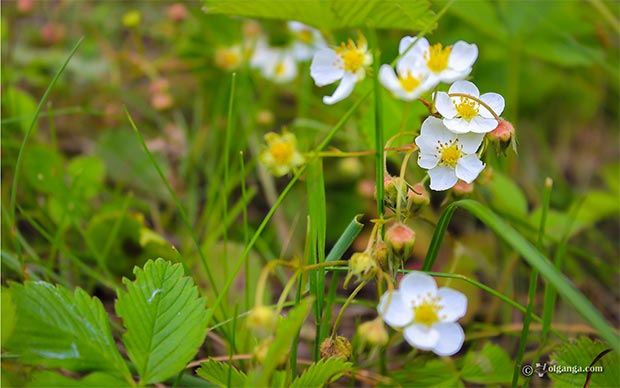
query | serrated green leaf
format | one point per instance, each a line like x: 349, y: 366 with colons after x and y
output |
x: 428, y: 373
x: 491, y: 365
x: 165, y: 317
x: 332, y: 14
x: 45, y: 379
x: 217, y: 372
x: 322, y: 372
x: 60, y: 329
x: 580, y: 354
x: 8, y: 315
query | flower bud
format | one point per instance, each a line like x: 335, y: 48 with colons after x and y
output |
x: 262, y: 320
x: 161, y: 101
x: 381, y: 253
x: 25, y: 6
x: 265, y: 118
x: 350, y: 167
x: 361, y: 265
x: 132, y: 19
x: 392, y: 188
x: 400, y: 238
x: 462, y: 188
x: 177, y: 12
x: 334, y: 348
x: 417, y: 198
x: 373, y: 332
x: 260, y: 352
x: 485, y: 176
x: 503, y: 134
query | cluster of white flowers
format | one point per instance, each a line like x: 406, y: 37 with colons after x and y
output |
x: 448, y: 145
x: 277, y: 64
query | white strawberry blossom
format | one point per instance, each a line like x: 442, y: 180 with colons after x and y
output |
x: 426, y: 314
x: 463, y: 112
x: 448, y: 156
x: 307, y: 41
x: 346, y: 64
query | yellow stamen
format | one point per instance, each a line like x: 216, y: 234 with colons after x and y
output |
x: 409, y: 82
x: 352, y: 56
x: 305, y: 36
x: 450, y: 153
x: 282, y: 152
x: 437, y: 57
x: 467, y: 109
x: 280, y: 68
x: 427, y: 313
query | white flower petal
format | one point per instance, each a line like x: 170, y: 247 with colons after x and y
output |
x: 454, y: 304
x: 465, y: 87
x: 450, y: 338
x: 343, y: 90
x: 416, y: 286
x: 428, y: 161
x: 445, y: 106
x: 325, y: 68
x: 397, y: 312
x: 442, y: 178
x: 480, y: 124
x: 457, y: 125
x: 448, y: 76
x: 470, y: 142
x: 495, y: 101
x: 462, y: 56
x: 434, y: 128
x: 388, y: 78
x: 421, y: 336
x: 405, y: 42
x: 468, y: 168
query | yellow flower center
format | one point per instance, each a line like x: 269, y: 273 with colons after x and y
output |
x: 450, y: 153
x: 427, y: 313
x: 280, y: 68
x: 227, y: 58
x: 282, y: 152
x: 409, y: 82
x: 305, y: 36
x: 467, y: 109
x: 437, y: 57
x: 352, y: 56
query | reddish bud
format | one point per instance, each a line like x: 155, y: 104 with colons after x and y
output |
x: 400, y: 237
x: 462, y: 188
x: 177, y: 12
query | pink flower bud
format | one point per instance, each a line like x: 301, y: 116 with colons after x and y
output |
x: 400, y: 237
x: 462, y: 188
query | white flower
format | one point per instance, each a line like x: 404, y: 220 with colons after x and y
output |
x: 448, y: 156
x: 347, y: 63
x: 445, y: 64
x: 229, y: 58
x: 308, y: 41
x: 408, y: 82
x: 463, y: 114
x: 280, y: 156
x: 427, y: 314
x: 275, y: 64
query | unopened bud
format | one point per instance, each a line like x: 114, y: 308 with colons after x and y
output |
x: 361, y: 265
x: 264, y: 117
x: 350, y: 167
x: 373, y: 332
x: 381, y: 253
x: 417, y: 198
x: 161, y: 101
x: 503, y: 134
x: 262, y: 349
x: 485, y: 176
x: 400, y: 237
x: 251, y: 29
x: 462, y: 188
x: 262, y: 320
x: 132, y: 19
x: 392, y: 188
x: 25, y: 6
x: 177, y: 12
x: 334, y: 348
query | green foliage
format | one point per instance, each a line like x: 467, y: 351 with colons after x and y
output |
x: 17, y: 103
x: 332, y: 14
x: 45, y: 379
x: 162, y: 334
x: 321, y: 373
x: 60, y: 329
x: 8, y: 315
x: 491, y: 365
x: 501, y: 188
x: 285, y: 333
x: 221, y: 374
x: 580, y: 354
x: 44, y: 170
x: 423, y: 372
